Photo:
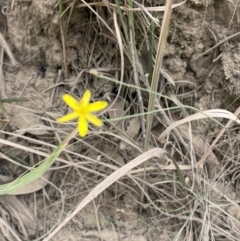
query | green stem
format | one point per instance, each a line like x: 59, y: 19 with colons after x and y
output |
x: 37, y: 172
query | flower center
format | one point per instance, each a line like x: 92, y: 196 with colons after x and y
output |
x: 81, y: 110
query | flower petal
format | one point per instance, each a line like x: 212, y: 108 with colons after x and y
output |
x: 96, y: 106
x: 94, y: 120
x: 85, y: 99
x: 68, y: 117
x: 70, y: 101
x: 82, y: 126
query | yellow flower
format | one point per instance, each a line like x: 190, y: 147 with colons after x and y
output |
x: 83, y: 111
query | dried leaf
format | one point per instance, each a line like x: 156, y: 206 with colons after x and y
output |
x: 35, y: 186
x: 4, y: 44
x: 133, y: 127
x: 26, y: 220
x: 112, y: 152
x: 25, y: 120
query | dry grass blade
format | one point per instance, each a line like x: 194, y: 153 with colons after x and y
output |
x: 3, y: 43
x: 85, y: 4
x: 200, y: 147
x: 107, y: 182
x: 157, y: 68
x: 11, y: 231
x: 155, y: 76
x: 72, y: 6
x: 135, y: 63
x: 209, y: 150
x: 23, y: 214
x: 217, y: 45
x: 120, y: 44
x: 215, y: 113
x: 150, y: 9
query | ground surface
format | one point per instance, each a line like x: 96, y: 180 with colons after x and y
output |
x: 210, y: 80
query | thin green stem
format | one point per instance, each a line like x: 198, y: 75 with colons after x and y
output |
x: 119, y: 11
x: 21, y: 99
x: 60, y: 5
x: 150, y: 53
x: 134, y: 56
x: 63, y: 37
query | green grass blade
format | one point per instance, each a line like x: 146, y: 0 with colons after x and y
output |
x: 1, y: 106
x: 32, y: 175
x: 21, y: 99
x: 36, y: 172
x: 60, y: 5
x: 119, y: 11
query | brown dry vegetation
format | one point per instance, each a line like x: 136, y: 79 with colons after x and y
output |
x: 173, y: 178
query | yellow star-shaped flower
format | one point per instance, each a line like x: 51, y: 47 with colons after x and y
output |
x: 83, y: 111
